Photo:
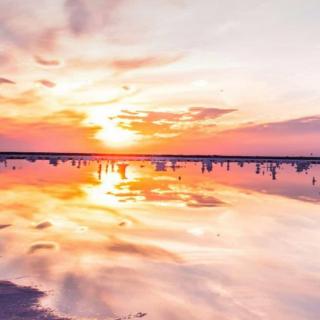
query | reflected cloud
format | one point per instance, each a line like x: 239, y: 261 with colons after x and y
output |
x: 44, y: 245
x: 145, y: 251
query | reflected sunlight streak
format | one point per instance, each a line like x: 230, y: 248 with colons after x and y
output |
x: 109, y: 181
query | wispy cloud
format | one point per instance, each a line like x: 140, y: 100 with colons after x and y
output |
x: 290, y: 137
x: 47, y: 83
x: 4, y: 226
x: 143, y: 62
x: 153, y: 122
x: 6, y: 81
x: 78, y: 15
x: 47, y: 62
x: 24, y: 98
x: 87, y: 16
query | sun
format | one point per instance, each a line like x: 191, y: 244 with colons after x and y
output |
x: 110, y: 133
x: 114, y: 136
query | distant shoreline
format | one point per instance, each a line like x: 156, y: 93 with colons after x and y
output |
x: 21, y: 155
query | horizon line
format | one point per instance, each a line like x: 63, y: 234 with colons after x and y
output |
x: 149, y: 155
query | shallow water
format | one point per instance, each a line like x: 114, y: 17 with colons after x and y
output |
x: 161, y: 238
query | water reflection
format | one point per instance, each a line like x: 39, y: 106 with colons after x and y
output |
x: 160, y: 238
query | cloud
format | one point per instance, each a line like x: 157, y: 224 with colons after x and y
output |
x: 293, y: 126
x: 200, y: 113
x: 168, y: 123
x: 143, y: 62
x: 47, y: 62
x: 78, y: 16
x: 192, y: 114
x: 6, y: 81
x: 63, y: 126
x: 290, y: 137
x: 195, y: 132
x: 28, y: 28
x: 47, y: 83
x: 43, y: 225
x: 126, y: 64
x: 3, y: 226
x: 89, y: 16
x: 295, y: 137
x: 24, y: 98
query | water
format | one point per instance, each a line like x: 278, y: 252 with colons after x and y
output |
x: 158, y: 238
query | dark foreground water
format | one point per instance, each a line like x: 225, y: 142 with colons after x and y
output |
x: 159, y: 239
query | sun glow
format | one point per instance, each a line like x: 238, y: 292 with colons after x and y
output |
x: 114, y: 136
x: 111, y: 134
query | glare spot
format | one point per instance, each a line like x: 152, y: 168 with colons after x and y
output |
x: 200, y: 83
x: 198, y: 232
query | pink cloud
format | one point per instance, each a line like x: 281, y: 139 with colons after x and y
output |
x: 87, y: 16
x: 143, y: 62
x: 47, y: 62
x: 6, y: 81
x: 78, y: 15
x: 292, y: 137
x: 47, y: 83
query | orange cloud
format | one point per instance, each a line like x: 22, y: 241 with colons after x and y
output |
x: 24, y: 98
x: 61, y: 131
x: 155, y: 123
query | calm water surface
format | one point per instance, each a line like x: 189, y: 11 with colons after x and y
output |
x: 159, y: 240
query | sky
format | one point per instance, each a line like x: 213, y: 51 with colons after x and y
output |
x: 160, y: 76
